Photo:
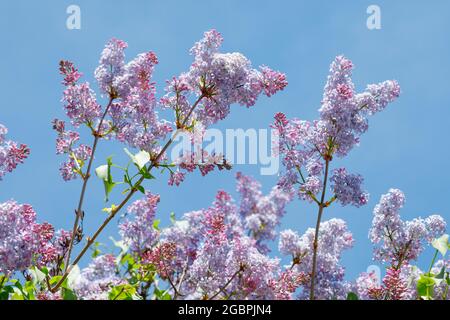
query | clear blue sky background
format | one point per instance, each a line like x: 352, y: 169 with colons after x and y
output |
x: 406, y: 146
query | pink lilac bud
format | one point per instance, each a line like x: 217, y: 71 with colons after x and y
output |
x: 11, y: 153
x: 70, y: 73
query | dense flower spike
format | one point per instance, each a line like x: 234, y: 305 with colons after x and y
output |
x: 397, y: 241
x: 140, y: 233
x: 11, y: 153
x: 343, y: 112
x: 79, y: 99
x: 222, y: 79
x: 343, y: 118
x: 70, y: 73
x: 111, y: 65
x: 347, y: 188
x: 18, y: 239
x: 23, y: 241
x: 394, y: 286
x: 235, y: 266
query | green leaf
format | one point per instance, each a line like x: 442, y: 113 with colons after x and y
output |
x: 5, y: 292
x: 441, y: 274
x: 441, y: 244
x: 141, y: 189
x: 69, y: 294
x: 425, y: 287
x: 352, y: 296
x: 156, y: 223
x: 108, y: 188
x: 122, y: 292
x: 162, y: 294
x: 145, y: 173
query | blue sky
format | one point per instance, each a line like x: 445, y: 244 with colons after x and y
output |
x: 406, y: 146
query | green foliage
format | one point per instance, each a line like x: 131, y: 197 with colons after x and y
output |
x: 161, y: 294
x: 352, y: 296
x: 428, y: 281
x: 123, y: 292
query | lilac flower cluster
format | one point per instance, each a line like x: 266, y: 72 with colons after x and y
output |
x: 215, y: 79
x: 343, y: 112
x: 334, y: 238
x: 219, y: 250
x: 18, y: 241
x: 11, y: 153
x: 347, y: 188
x: 222, y: 78
x: 24, y: 242
x: 96, y: 280
x: 397, y: 241
x: 79, y: 99
x: 139, y: 233
x: 66, y: 143
x: 227, y: 263
x: 306, y: 146
x: 261, y: 214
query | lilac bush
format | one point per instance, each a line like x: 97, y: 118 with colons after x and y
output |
x: 228, y: 249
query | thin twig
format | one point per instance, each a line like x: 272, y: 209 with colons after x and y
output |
x: 86, y: 177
